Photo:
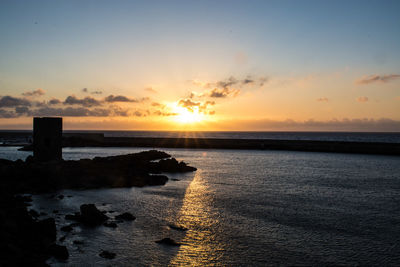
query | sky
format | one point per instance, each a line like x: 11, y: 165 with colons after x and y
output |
x: 201, y: 65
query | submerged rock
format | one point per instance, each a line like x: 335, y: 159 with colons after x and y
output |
x: 125, y: 216
x: 168, y: 241
x: 67, y: 228
x: 78, y: 242
x: 59, y: 252
x: 178, y: 228
x: 110, y: 224
x: 90, y: 215
x: 107, y: 254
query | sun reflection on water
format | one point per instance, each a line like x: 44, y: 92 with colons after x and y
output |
x: 200, y: 246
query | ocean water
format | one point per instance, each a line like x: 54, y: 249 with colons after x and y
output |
x: 319, y: 136
x: 385, y: 137
x: 243, y: 208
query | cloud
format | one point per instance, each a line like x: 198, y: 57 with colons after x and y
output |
x: 7, y: 114
x: 121, y: 98
x: 85, y: 102
x: 362, y: 99
x: 70, y: 112
x: 34, y: 93
x: 96, y: 92
x: 85, y: 90
x: 323, y: 99
x: 54, y: 101
x: 360, y: 124
x: 224, y: 92
x: 192, y: 105
x: 163, y: 113
x: 377, y: 78
x: 151, y: 90
x: 9, y: 101
x: 232, y: 82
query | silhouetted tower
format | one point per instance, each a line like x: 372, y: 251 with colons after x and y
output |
x: 47, y: 138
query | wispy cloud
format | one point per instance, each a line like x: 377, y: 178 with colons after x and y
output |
x: 191, y: 105
x: 151, y: 90
x: 377, y: 78
x: 362, y: 99
x: 34, y: 93
x: 323, y: 99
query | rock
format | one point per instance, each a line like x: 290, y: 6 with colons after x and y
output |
x: 67, y: 228
x: 107, y: 255
x: 47, y: 228
x: 91, y: 216
x: 29, y: 159
x: 178, y: 228
x: 174, y: 179
x: 42, y: 213
x: 168, y: 241
x: 60, y: 196
x: 34, y: 213
x: 55, y: 211
x: 73, y: 217
x: 62, y: 239
x: 78, y: 242
x: 125, y: 216
x: 59, y: 252
x: 26, y: 198
x: 110, y: 224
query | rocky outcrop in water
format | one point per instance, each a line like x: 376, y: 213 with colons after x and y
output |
x: 139, y: 169
x: 24, y: 240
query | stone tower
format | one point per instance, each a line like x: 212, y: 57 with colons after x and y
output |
x: 47, y: 138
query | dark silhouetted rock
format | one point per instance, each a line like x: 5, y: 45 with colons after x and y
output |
x: 78, y: 242
x: 73, y: 217
x: 110, y: 224
x: 178, y: 228
x: 47, y: 227
x: 168, y: 241
x: 55, y: 211
x: 125, y: 216
x: 91, y: 216
x: 42, y: 213
x: 107, y: 255
x: 67, y: 228
x: 60, y: 196
x: 62, y: 239
x: 34, y: 213
x: 59, y: 252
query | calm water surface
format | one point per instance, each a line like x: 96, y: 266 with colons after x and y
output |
x: 244, y: 208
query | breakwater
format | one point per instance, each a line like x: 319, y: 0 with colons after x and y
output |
x: 257, y: 144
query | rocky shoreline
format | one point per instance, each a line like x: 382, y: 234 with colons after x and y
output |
x: 26, y: 240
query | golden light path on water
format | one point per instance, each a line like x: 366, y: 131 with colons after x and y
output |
x: 200, y: 246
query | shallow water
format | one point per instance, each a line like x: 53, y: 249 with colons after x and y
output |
x: 244, y: 208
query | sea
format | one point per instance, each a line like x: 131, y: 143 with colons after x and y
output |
x: 242, y: 208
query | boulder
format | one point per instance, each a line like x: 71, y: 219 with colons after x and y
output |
x: 168, y: 241
x: 91, y: 216
x: 47, y: 228
x: 125, y: 216
x: 67, y: 228
x: 107, y: 254
x: 59, y: 252
x: 110, y: 224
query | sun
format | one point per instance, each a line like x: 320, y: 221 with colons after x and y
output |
x: 187, y: 116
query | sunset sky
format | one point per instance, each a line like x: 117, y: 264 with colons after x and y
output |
x: 201, y: 65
